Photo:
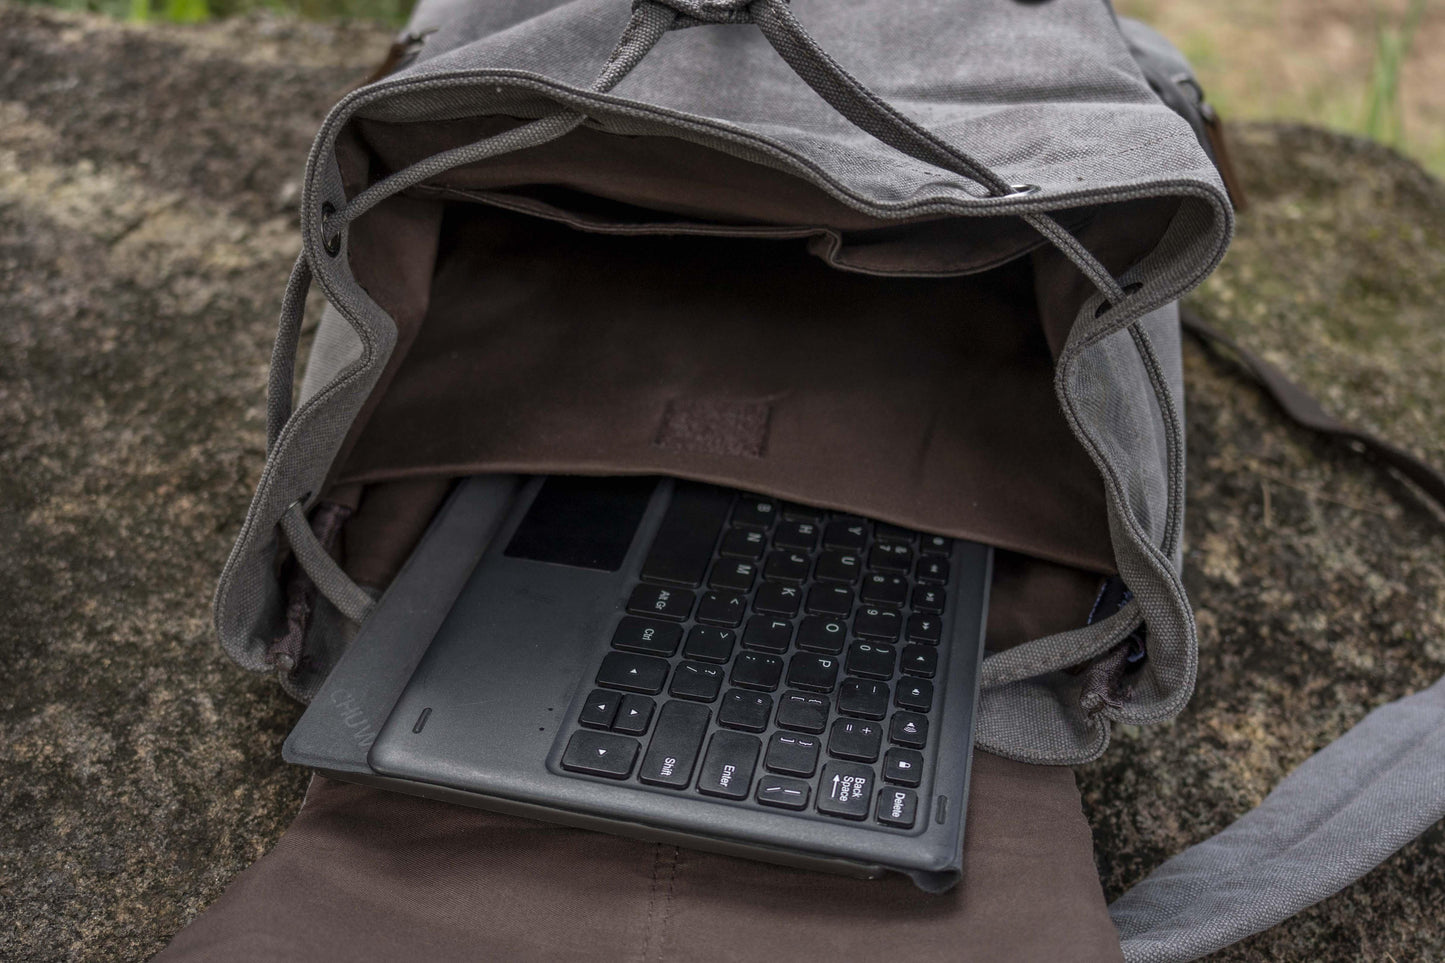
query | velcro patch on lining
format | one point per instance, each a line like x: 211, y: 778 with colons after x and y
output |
x: 715, y: 426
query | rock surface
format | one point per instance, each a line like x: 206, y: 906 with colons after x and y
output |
x: 148, y: 182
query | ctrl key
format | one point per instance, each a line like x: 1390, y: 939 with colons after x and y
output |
x: 600, y: 754
x: 846, y: 790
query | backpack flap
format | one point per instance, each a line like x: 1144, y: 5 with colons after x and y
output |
x: 587, y: 231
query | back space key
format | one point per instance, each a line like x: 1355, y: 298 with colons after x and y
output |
x: 683, y: 546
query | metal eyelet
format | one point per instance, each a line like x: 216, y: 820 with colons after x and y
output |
x: 1023, y: 190
x: 1129, y: 289
x: 331, y: 245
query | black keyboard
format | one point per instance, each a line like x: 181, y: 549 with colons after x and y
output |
x: 778, y: 656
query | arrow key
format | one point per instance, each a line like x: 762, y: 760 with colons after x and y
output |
x: 634, y: 715
x: 600, y: 754
x: 633, y: 673
x: 600, y: 709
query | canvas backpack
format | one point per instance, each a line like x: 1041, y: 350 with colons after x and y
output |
x: 1012, y: 199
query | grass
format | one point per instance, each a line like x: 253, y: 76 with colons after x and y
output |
x: 195, y: 11
x: 1367, y: 67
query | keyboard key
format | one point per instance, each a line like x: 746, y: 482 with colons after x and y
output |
x: 799, y: 535
x: 871, y: 659
x: 880, y: 589
x: 683, y: 544
x: 776, y: 598
x: 745, y: 710
x: 727, y: 769
x: 885, y: 532
x: 897, y: 807
x: 830, y: 600
x: 935, y: 545
x: 816, y: 672
x: 707, y: 644
x: 743, y: 543
x: 634, y: 715
x: 783, y: 793
x: 863, y: 698
x: 932, y: 568
x: 669, y: 603
x: 647, y: 636
x: 767, y: 634
x: 876, y: 623
x: 929, y: 598
x: 696, y: 681
x: 845, y: 790
x: 803, y: 712
x: 722, y: 608
x: 908, y: 729
x: 849, y: 533
x: 856, y: 739
x: 792, y: 755
x: 754, y: 512
x: 818, y: 634
x: 903, y: 766
x: 920, y: 660
x: 753, y: 671
x: 787, y: 567
x: 632, y: 673
x: 924, y: 628
x: 915, y: 694
x: 803, y: 513
x: 599, y: 754
x: 890, y: 557
x: 600, y: 710
x: 835, y: 566
x: 675, y: 742
x: 732, y: 575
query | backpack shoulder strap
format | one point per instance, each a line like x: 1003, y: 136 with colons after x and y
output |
x: 1343, y: 812
x: 1304, y: 410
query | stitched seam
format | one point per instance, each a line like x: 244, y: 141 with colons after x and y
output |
x: 1173, y: 432
x: 649, y: 931
x: 667, y: 901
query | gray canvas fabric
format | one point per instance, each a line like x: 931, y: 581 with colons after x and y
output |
x: 1336, y: 817
x: 981, y: 79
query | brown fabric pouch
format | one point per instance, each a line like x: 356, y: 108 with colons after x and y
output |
x: 364, y: 874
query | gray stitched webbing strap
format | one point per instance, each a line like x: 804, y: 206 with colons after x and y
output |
x: 283, y: 355
x: 348, y: 597
x: 1331, y: 821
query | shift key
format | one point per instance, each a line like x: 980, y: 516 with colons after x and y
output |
x: 672, y: 754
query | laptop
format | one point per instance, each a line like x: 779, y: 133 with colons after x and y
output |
x: 675, y: 662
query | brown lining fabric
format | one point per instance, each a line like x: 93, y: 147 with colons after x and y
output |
x: 546, y: 326
x: 924, y: 401
x: 364, y: 874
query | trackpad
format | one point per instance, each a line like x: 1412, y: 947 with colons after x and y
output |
x: 501, y: 672
x: 583, y: 522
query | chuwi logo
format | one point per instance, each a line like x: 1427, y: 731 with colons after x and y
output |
x: 353, y: 718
